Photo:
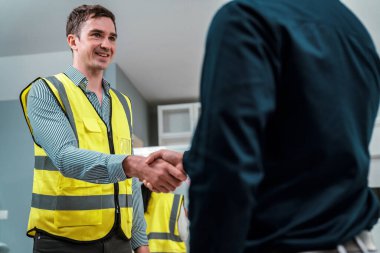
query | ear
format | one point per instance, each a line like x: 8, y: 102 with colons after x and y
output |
x: 72, y: 41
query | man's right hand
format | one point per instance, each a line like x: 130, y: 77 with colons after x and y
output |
x: 163, y: 176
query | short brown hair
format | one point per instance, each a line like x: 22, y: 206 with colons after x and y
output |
x: 84, y: 12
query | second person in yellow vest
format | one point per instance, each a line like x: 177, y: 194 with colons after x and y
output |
x: 167, y: 223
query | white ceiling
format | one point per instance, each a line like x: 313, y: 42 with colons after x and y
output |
x: 160, y: 42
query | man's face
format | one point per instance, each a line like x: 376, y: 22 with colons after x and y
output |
x: 96, y: 45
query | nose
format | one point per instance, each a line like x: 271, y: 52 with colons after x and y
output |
x: 106, y: 44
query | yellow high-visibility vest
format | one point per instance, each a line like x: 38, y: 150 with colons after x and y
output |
x: 161, y: 218
x: 75, y: 209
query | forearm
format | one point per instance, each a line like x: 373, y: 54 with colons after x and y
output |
x: 90, y: 166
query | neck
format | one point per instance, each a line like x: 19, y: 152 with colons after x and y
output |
x: 94, y: 83
x: 94, y: 78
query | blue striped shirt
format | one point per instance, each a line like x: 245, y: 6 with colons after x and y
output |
x: 52, y: 131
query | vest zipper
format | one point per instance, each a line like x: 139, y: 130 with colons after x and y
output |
x: 116, y: 185
x: 116, y: 225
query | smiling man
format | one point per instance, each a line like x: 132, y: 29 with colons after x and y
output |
x: 84, y: 198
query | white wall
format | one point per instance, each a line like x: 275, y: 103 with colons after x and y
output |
x: 368, y: 11
x: 18, y: 71
x: 375, y: 142
x: 374, y: 177
x: 374, y: 173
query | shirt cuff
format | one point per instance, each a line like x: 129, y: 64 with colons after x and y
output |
x: 115, y: 168
x: 139, y: 239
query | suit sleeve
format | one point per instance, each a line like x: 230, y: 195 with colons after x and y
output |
x: 225, y: 160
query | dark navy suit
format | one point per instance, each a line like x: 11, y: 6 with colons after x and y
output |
x: 279, y: 161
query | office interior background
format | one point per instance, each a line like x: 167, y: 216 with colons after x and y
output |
x: 158, y: 62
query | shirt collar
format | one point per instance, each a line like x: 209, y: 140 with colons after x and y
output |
x: 80, y: 80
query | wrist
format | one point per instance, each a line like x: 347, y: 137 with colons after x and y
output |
x: 131, y: 166
x: 142, y: 249
x: 128, y: 167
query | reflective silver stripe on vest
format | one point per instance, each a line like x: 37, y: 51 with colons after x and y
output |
x: 127, y: 112
x: 49, y: 202
x: 173, y: 215
x: 164, y: 236
x: 63, y: 95
x: 172, y: 223
x: 44, y: 163
x: 75, y: 203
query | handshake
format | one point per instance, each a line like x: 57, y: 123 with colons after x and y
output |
x: 161, y: 171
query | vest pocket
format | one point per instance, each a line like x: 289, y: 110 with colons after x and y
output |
x: 92, y: 134
x: 91, y: 125
x: 82, y: 209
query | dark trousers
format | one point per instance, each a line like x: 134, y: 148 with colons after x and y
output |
x: 47, y: 244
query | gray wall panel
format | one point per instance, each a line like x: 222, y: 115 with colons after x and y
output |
x: 16, y: 175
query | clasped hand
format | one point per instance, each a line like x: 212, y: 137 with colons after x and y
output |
x: 161, y: 171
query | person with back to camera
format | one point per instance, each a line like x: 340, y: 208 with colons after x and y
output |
x: 84, y: 198
x: 279, y: 160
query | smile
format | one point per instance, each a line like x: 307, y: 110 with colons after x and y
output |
x: 102, y: 54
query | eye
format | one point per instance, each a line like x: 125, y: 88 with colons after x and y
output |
x: 112, y: 38
x: 97, y: 35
